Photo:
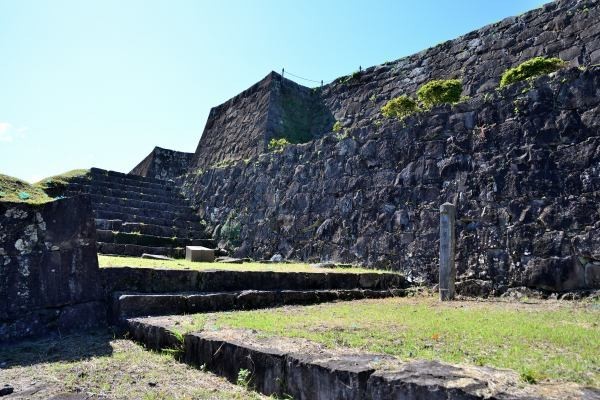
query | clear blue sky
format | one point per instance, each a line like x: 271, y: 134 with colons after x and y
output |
x: 100, y: 83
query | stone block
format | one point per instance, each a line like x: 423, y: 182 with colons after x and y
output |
x: 199, y: 254
x: 592, y: 275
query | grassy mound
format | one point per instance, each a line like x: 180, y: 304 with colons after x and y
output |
x: 16, y: 190
x: 55, y: 185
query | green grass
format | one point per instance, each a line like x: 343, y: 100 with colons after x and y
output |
x: 112, y: 261
x: 56, y: 183
x: 541, y: 341
x: 17, y: 190
x: 98, y: 364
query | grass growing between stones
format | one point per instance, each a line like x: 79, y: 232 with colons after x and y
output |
x: 112, y: 261
x: 99, y: 366
x: 547, y: 340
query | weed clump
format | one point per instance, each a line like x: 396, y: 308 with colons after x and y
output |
x: 531, y: 68
x: 445, y: 91
x: 337, y: 126
x: 277, y: 144
x: 400, y: 107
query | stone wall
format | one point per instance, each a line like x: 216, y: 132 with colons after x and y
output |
x: 49, y: 277
x: 522, y: 166
x: 163, y: 164
x: 272, y: 108
x: 241, y: 127
x: 569, y: 29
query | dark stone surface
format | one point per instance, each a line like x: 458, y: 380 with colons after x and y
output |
x: 130, y: 305
x: 163, y: 164
x: 49, y: 277
x: 272, y: 108
x: 522, y: 166
x: 149, y: 280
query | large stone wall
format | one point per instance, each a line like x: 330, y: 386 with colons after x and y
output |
x: 241, y: 127
x: 272, y: 108
x: 522, y: 165
x: 569, y: 29
x: 49, y: 277
x: 163, y: 164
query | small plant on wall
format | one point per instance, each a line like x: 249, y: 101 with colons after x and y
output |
x: 438, y: 92
x: 277, y: 144
x: 337, y: 126
x: 531, y: 68
x: 400, y: 107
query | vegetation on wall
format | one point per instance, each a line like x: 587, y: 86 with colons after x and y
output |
x: 531, y: 68
x: 277, y: 144
x: 400, y: 107
x: 337, y: 126
x: 445, y: 91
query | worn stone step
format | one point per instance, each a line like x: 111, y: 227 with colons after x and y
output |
x: 137, y: 203
x: 135, y: 250
x: 152, y: 280
x: 107, y: 236
x: 129, y: 305
x: 120, y: 192
x: 180, y: 223
x: 155, y: 230
x: 132, y: 180
x: 187, y: 215
x: 82, y: 185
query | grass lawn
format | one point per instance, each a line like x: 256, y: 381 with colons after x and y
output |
x: 545, y: 340
x: 97, y: 364
x: 112, y: 261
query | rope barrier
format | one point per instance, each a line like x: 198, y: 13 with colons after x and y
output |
x: 286, y: 72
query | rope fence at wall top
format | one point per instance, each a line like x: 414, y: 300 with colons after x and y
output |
x: 286, y: 72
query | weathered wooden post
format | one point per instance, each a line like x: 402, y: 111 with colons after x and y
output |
x: 447, y: 248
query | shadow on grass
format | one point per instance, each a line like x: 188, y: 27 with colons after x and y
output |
x: 72, y: 347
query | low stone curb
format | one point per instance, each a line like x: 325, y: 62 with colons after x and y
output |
x: 305, y: 370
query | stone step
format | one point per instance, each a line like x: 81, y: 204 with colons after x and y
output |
x: 76, y: 188
x: 149, y: 229
x: 130, y: 305
x: 107, y: 236
x: 152, y: 280
x: 134, y: 250
x: 137, y: 203
x: 131, y: 180
x: 180, y: 223
x: 187, y: 215
x: 87, y: 186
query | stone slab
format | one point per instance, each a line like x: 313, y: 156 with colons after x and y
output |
x: 199, y: 254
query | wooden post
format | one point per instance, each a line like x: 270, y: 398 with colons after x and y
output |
x: 447, y: 249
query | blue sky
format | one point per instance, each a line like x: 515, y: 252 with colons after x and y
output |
x: 100, y: 83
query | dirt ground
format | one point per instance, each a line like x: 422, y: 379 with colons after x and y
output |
x: 99, y: 366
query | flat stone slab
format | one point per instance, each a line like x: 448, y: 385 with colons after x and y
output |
x: 199, y: 254
x: 307, y: 370
x: 156, y: 257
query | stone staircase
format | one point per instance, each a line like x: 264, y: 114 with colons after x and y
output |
x: 142, y: 292
x: 136, y: 215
